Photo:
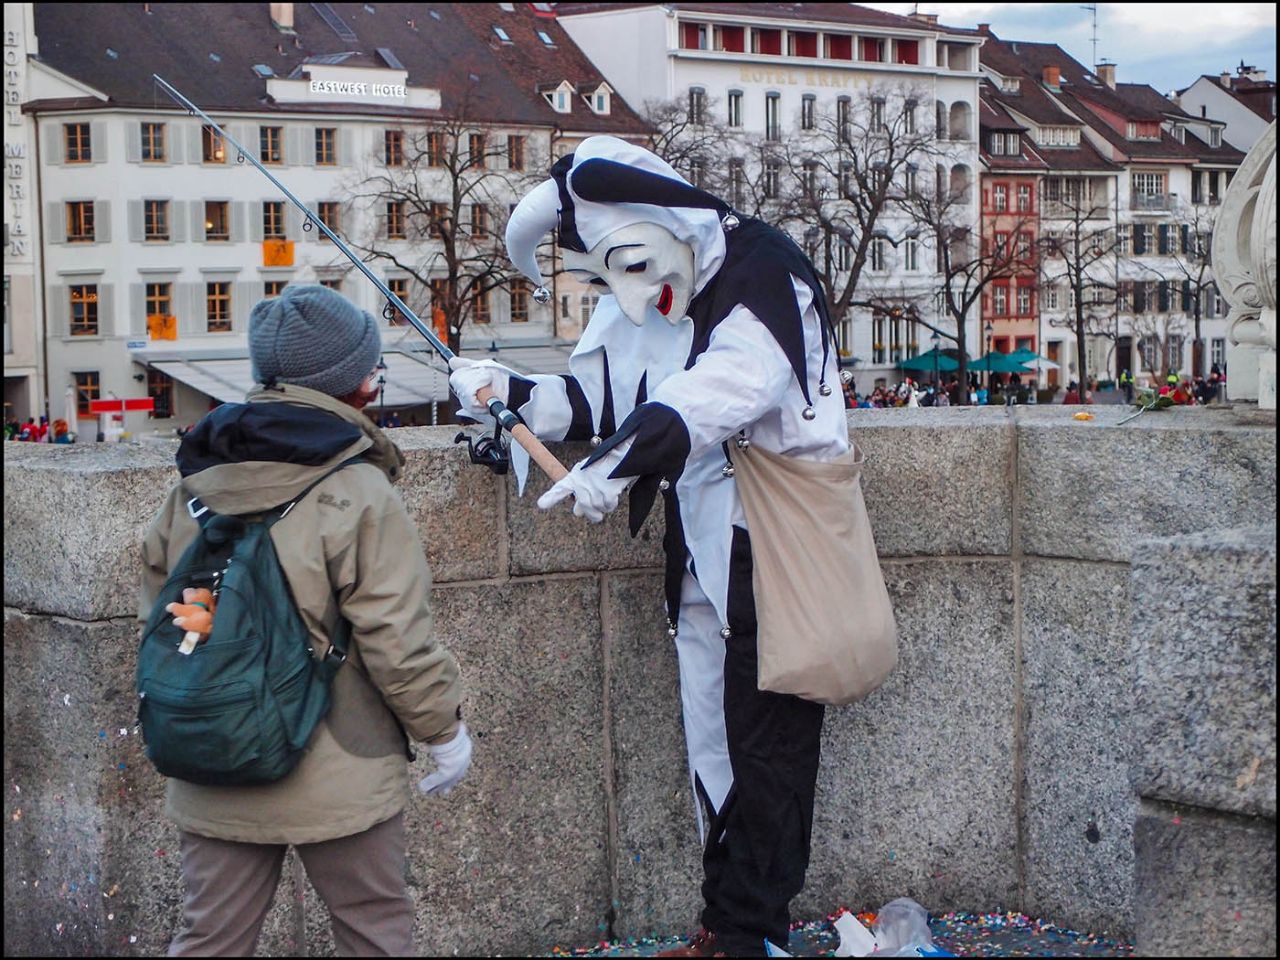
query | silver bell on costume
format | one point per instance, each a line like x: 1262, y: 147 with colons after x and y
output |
x: 808, y: 413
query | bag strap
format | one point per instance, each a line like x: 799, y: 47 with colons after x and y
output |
x: 336, y: 655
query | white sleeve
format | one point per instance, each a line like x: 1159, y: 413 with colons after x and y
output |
x: 553, y: 407
x: 739, y: 377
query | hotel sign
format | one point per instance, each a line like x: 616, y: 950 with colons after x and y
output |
x: 358, y: 88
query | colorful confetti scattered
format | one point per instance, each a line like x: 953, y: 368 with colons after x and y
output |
x: 963, y: 934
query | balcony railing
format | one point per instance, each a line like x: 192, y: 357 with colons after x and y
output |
x: 1151, y: 201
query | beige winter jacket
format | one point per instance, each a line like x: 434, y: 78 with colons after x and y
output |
x: 349, y: 546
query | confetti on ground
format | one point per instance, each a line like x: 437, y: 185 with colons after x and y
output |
x: 964, y: 934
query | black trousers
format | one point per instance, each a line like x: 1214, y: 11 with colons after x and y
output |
x: 757, y: 848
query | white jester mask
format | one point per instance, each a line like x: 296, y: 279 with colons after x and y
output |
x: 625, y: 221
x: 644, y: 266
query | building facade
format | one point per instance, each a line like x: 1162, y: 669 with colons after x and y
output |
x: 1128, y: 198
x: 1246, y: 103
x: 157, y: 242
x: 24, y: 381
x: 776, y: 76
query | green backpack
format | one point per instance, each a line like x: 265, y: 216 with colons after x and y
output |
x: 240, y: 707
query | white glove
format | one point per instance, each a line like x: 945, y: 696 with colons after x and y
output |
x: 452, y: 760
x: 594, y: 494
x: 470, y: 376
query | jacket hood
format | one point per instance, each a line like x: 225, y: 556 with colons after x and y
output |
x: 253, y: 456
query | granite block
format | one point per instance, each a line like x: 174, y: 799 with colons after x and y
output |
x: 91, y: 862
x: 1204, y: 662
x: 514, y: 861
x: 659, y: 859
x: 937, y: 482
x: 544, y: 541
x: 1205, y: 884
x: 74, y: 523
x: 915, y: 791
x: 1078, y: 807
x: 1094, y: 490
x: 453, y: 503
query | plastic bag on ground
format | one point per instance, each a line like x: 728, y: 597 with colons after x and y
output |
x: 902, y: 930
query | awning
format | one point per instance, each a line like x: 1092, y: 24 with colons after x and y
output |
x: 410, y: 382
x: 415, y: 373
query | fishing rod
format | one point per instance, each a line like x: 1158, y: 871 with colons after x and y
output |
x: 488, y: 451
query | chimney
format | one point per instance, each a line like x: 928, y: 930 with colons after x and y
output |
x: 282, y: 16
x: 1107, y: 74
x: 984, y: 28
x: 1224, y: 79
x: 929, y: 18
x: 1052, y: 76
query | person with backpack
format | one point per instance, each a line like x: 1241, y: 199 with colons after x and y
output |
x: 320, y: 644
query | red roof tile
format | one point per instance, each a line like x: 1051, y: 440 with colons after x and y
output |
x: 449, y: 47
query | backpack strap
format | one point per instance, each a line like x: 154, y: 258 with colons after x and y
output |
x: 336, y: 655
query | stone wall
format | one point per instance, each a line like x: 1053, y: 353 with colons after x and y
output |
x: 992, y: 771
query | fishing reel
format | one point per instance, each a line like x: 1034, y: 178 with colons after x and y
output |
x: 486, y: 450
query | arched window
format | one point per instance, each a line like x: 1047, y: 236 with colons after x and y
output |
x: 960, y: 182
x: 960, y: 125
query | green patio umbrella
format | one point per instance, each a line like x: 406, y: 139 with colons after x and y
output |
x: 999, y: 363
x: 935, y: 359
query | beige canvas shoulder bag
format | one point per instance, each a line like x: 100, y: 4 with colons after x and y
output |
x: 825, y: 625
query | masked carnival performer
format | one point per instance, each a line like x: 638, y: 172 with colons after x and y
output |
x: 712, y: 332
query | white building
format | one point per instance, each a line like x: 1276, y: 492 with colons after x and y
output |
x: 156, y: 243
x: 23, y: 308
x: 769, y: 68
x: 1246, y: 103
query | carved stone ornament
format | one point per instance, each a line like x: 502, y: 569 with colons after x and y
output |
x: 1244, y: 265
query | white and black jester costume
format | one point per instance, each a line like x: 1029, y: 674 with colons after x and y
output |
x: 752, y: 362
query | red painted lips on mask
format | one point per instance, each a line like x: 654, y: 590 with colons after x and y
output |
x: 665, y: 299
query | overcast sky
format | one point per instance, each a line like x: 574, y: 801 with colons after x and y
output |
x: 1166, y: 45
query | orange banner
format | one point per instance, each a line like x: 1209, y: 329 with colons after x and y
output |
x: 162, y: 326
x: 277, y: 253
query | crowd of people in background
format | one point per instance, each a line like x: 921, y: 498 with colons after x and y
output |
x: 1010, y: 390
x: 1185, y: 391
x: 42, y: 432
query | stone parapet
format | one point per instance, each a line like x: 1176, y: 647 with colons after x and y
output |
x: 1203, y: 664
x: 990, y: 772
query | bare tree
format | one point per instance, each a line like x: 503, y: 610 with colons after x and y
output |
x: 1078, y: 252
x: 843, y: 179
x: 442, y: 190
x: 969, y: 264
x: 1180, y: 264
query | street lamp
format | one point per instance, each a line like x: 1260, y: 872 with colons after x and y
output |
x: 989, y: 328
x: 382, y: 392
x: 936, y: 384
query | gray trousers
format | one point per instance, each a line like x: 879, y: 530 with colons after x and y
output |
x: 360, y: 878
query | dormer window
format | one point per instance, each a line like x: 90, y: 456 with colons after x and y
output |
x: 561, y: 97
x: 1179, y: 133
x: 1143, y: 130
x: 1215, y: 137
x: 598, y: 99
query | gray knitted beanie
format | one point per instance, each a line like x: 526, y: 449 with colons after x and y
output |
x: 313, y: 337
